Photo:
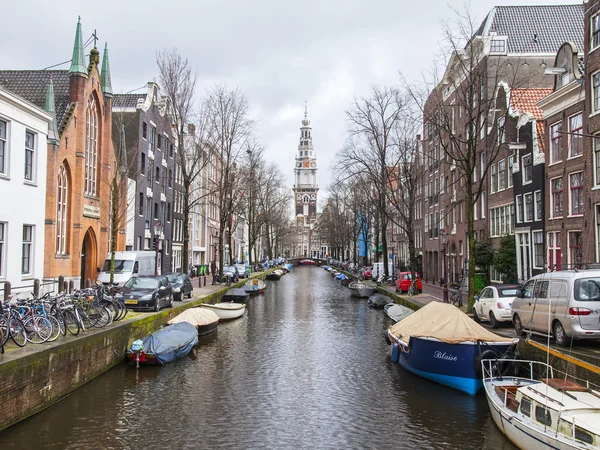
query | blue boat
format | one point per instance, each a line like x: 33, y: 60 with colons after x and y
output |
x: 164, y: 346
x: 442, y: 344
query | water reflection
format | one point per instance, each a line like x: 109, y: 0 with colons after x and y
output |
x: 306, y: 367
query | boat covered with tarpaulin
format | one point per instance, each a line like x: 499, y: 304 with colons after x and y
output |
x: 165, y: 345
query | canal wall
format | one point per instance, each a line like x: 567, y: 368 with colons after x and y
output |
x: 36, y: 376
x: 581, y: 367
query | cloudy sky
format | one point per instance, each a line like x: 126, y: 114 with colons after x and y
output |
x: 278, y: 52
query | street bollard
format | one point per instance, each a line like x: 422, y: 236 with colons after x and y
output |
x: 204, y: 279
x: 61, y: 283
x: 36, y: 288
x: 71, y: 286
x: 7, y: 290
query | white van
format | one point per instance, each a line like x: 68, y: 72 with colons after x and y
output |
x: 564, y: 304
x: 127, y: 264
x: 379, y: 269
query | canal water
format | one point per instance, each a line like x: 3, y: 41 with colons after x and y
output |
x: 306, y: 367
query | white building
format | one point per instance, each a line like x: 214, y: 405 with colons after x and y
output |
x: 23, y: 158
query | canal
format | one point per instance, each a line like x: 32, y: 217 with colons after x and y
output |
x: 306, y: 367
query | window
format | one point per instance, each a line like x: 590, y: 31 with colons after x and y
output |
x: 527, y: 167
x: 91, y: 147
x: 29, y: 155
x: 498, y: 46
x: 500, y: 126
x: 3, y: 148
x: 148, y: 212
x: 494, y: 177
x: 151, y: 139
x: 501, y: 175
x: 145, y: 130
x: 143, y: 163
x: 155, y: 211
x: 170, y: 150
x: 511, y: 161
x: 553, y: 250
x: 597, y: 207
x: 62, y: 195
x: 170, y: 178
x: 556, y: 191
x: 2, y: 242
x: 556, y: 143
x: 482, y: 204
x: 159, y: 142
x: 576, y: 189
x: 538, y: 249
x: 596, y: 92
x: 501, y: 220
x: 595, y: 30
x: 542, y: 415
x: 150, y: 172
x: 168, y: 212
x: 157, y: 174
x: 519, y: 200
x: 141, y: 204
x: 575, y: 136
x: 538, y: 205
x: 575, y: 255
x: 528, y: 199
x: 26, y: 259
x: 596, y: 144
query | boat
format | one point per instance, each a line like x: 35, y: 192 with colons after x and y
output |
x: 288, y: 267
x: 307, y: 262
x: 275, y: 275
x: 255, y: 286
x: 542, y: 412
x: 441, y: 343
x: 165, y: 345
x: 340, y: 276
x: 360, y: 289
x: 204, y: 320
x: 236, y: 295
x: 346, y: 281
x: 378, y: 300
x: 397, y: 312
x: 226, y: 311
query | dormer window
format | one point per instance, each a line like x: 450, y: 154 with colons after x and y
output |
x: 595, y: 31
x: 564, y: 78
x: 498, y: 46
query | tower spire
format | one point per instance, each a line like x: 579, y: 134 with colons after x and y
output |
x: 77, y: 61
x: 105, y: 75
x: 51, y: 109
x: 305, y: 121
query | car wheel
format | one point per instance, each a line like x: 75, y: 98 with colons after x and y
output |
x: 190, y: 294
x: 518, y: 325
x: 560, y: 336
x: 476, y: 316
x: 493, y: 322
x: 157, y: 305
x: 171, y: 301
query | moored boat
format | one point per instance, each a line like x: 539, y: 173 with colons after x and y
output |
x: 378, y: 300
x: 397, y: 312
x: 441, y: 343
x: 236, y: 295
x: 275, y: 275
x: 226, y: 311
x: 204, y: 320
x: 542, y: 413
x: 165, y: 345
x: 346, y: 281
x: 307, y: 262
x: 255, y: 286
x: 360, y: 289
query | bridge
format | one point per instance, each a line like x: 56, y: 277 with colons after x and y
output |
x: 299, y: 261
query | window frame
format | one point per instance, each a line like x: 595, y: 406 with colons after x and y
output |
x: 538, y: 249
x: 595, y: 91
x: 4, y: 148
x: 553, y: 250
x: 27, y: 243
x: 519, y: 208
x: 3, y: 233
x: 62, y: 211
x: 91, y: 149
x: 538, y: 206
x: 580, y: 196
x: 553, y: 196
x: 30, y: 153
x: 509, y: 169
x: 595, y: 32
x: 502, y: 175
x: 524, y: 167
x: 528, y: 207
x: 556, y: 150
x: 575, y: 133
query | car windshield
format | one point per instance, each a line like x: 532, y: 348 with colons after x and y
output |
x: 121, y: 265
x: 142, y: 283
x: 512, y: 292
x: 587, y: 289
x: 174, y: 277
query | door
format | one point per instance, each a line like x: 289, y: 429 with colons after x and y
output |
x: 89, y: 259
x: 559, y: 298
x: 523, y: 306
x: 541, y: 307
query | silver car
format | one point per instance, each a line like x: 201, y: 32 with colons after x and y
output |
x: 564, y: 304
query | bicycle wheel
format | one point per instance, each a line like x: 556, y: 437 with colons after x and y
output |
x: 4, y: 330
x: 17, y: 331
x: 70, y: 322
x: 38, y: 329
x: 55, y: 328
x: 105, y: 317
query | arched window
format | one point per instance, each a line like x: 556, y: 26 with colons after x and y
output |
x: 62, y: 196
x: 91, y: 148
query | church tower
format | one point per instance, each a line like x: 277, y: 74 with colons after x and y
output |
x: 305, y: 174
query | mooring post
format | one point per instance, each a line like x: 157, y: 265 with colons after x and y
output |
x: 36, y: 288
x: 61, y: 283
x: 7, y: 290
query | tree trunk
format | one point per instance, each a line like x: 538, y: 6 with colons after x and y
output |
x: 185, y: 252
x: 471, y: 242
x: 113, y: 228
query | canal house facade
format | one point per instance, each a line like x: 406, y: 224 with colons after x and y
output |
x: 80, y: 161
x: 143, y: 129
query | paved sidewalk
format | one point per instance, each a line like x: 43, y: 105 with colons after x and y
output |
x: 430, y: 294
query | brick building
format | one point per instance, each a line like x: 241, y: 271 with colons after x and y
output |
x: 80, y: 166
x: 512, y: 48
x: 142, y: 121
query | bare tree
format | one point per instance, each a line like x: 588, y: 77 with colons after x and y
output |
x: 370, y: 148
x: 178, y: 82
x: 229, y: 133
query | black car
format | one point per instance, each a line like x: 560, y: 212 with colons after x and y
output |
x: 181, y: 284
x: 147, y: 293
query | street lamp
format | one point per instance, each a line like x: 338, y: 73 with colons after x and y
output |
x: 158, y: 230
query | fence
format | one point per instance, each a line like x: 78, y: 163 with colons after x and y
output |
x: 37, y: 287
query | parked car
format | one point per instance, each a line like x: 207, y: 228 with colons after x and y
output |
x: 147, y: 293
x: 404, y: 279
x: 494, y: 304
x: 367, y: 273
x: 565, y: 304
x: 231, y: 272
x: 181, y: 285
x: 242, y: 270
